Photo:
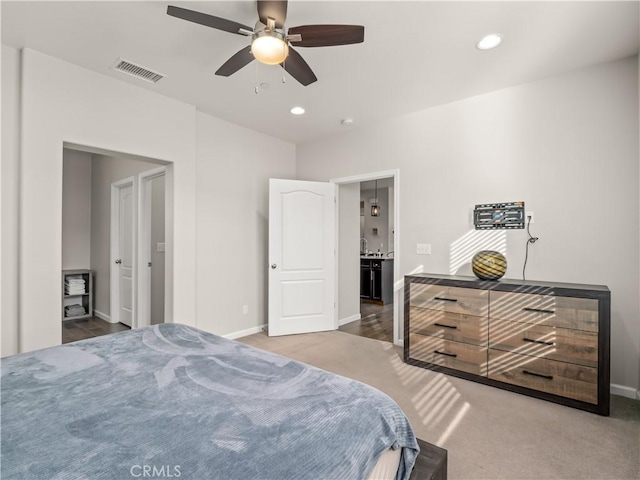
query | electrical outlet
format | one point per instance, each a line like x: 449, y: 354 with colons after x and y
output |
x: 423, y: 249
x: 245, y: 309
x: 527, y: 215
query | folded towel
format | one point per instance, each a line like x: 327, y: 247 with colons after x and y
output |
x: 74, y: 310
x: 75, y: 291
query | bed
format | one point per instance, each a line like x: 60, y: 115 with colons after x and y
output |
x: 173, y: 401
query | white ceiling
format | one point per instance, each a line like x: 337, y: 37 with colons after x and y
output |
x: 415, y: 55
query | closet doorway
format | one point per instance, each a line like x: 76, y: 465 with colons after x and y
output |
x: 89, y: 175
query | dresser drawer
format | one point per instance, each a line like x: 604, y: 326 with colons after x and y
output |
x: 554, y: 343
x: 565, y: 312
x: 559, y: 378
x: 456, y: 355
x: 448, y: 325
x: 469, y: 301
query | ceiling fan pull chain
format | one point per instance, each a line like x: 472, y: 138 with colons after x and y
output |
x: 284, y: 66
x: 255, y: 77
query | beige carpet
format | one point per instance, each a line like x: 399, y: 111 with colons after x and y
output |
x: 489, y: 433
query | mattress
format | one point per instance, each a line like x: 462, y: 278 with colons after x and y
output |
x: 171, y: 400
x: 387, y: 465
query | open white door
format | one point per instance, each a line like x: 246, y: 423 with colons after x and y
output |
x: 301, y: 257
x: 123, y: 271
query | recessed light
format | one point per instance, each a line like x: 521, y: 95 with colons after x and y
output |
x: 347, y: 121
x: 489, y: 41
x: 297, y: 111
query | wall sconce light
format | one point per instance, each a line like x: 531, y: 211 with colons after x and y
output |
x: 375, y: 208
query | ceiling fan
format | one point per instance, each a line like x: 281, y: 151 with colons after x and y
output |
x: 271, y: 43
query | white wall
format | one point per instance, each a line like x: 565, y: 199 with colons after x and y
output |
x: 349, y: 250
x: 10, y: 167
x: 567, y: 146
x: 104, y: 171
x: 65, y: 103
x: 233, y: 171
x: 76, y: 210
x: 392, y: 223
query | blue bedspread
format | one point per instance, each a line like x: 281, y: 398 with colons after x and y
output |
x: 171, y: 401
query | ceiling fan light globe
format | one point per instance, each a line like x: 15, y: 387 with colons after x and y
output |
x: 269, y: 49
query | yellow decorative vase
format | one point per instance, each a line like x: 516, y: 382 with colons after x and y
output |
x: 489, y: 265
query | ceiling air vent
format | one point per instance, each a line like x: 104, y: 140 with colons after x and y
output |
x: 137, y: 71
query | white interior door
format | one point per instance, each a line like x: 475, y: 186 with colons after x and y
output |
x: 301, y: 257
x: 126, y: 255
x: 150, y: 306
x: 123, y: 222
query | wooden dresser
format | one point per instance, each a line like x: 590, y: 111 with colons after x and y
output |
x: 546, y: 340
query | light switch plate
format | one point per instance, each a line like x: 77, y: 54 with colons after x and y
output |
x: 160, y: 247
x: 423, y: 249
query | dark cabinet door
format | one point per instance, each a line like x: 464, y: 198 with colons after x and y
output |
x: 365, y: 279
x: 376, y: 280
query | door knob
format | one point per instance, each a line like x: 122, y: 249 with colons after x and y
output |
x: 274, y: 266
x: 118, y: 261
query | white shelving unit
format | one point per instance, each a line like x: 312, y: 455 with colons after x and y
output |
x: 83, y: 298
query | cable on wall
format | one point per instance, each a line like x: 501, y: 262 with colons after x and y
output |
x: 530, y: 240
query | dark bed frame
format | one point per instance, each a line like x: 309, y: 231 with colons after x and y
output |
x: 431, y: 463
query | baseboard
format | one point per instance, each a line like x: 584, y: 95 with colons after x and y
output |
x: 103, y: 316
x: 244, y: 333
x: 625, y: 391
x: 352, y: 318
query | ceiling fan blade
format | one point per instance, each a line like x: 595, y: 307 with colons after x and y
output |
x: 276, y: 9
x: 235, y: 63
x: 208, y: 20
x: 298, y: 68
x: 327, y: 35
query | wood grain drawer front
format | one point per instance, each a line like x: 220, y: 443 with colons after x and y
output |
x: 450, y: 326
x: 559, y: 378
x: 469, y: 301
x: 456, y: 355
x: 564, y: 312
x: 554, y: 343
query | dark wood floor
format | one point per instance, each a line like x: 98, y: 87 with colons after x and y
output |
x: 376, y: 322
x: 73, y: 330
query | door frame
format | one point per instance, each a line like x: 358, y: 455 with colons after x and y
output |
x: 398, y: 285
x: 114, y: 301
x: 143, y: 316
